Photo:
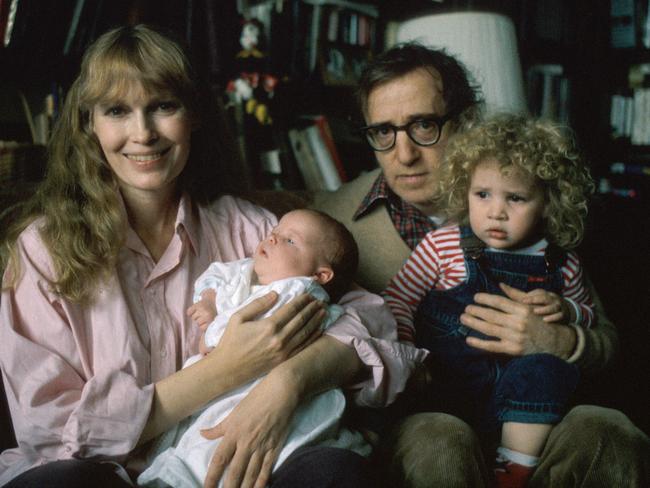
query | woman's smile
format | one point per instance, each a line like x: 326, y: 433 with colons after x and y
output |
x: 146, y: 158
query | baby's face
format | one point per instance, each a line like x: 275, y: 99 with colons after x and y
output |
x: 294, y: 248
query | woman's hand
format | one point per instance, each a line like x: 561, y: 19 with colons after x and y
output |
x: 252, y: 435
x: 255, y: 345
x: 517, y: 328
x: 248, y: 348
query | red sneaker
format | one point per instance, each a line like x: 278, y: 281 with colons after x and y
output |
x: 512, y: 475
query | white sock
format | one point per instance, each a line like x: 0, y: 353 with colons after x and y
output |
x: 517, y: 457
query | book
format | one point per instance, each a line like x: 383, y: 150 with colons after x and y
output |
x: 10, y: 21
x: 618, y: 116
x: 323, y: 158
x: 641, y: 112
x: 4, y: 16
x: 305, y: 160
x: 333, y: 21
x: 74, y: 24
x: 623, y: 24
x: 314, y: 37
x: 326, y: 133
x: 333, y: 25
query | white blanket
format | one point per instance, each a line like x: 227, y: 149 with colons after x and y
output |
x: 180, y: 457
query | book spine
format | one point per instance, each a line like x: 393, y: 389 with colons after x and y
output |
x: 314, y: 37
x: 636, y: 135
x: 323, y: 159
x: 326, y: 134
x: 74, y: 24
x: 305, y: 160
x: 11, y: 21
x: 333, y: 25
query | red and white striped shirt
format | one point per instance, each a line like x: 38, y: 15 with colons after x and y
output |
x: 438, y: 263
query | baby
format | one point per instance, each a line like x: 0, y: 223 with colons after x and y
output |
x: 307, y: 251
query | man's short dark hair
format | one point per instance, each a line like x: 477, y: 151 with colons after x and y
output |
x: 462, y: 97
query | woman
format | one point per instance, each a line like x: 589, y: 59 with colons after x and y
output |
x: 100, y: 272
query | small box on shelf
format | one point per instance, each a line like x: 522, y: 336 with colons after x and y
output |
x: 629, y: 24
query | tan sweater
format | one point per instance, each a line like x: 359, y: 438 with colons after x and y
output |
x: 383, y: 252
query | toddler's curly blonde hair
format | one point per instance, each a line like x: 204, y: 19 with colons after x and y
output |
x: 536, y: 147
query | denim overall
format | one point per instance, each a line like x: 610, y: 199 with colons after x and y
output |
x: 487, y: 389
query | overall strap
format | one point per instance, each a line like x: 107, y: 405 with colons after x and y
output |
x: 554, y: 257
x: 471, y: 245
x: 477, y: 267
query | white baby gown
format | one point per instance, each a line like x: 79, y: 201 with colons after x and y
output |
x: 180, y: 457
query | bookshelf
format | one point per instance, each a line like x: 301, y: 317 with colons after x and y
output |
x: 599, y: 68
x: 316, y: 49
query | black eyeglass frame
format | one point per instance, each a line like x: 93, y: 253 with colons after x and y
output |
x: 439, y: 121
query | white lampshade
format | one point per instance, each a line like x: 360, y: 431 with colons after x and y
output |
x: 485, y: 43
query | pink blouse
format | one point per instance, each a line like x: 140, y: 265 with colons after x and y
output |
x: 79, y: 379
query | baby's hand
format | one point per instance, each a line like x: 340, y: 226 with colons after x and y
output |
x: 552, y: 306
x: 201, y: 314
x: 204, y: 311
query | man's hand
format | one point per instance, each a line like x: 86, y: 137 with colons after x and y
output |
x: 517, y: 328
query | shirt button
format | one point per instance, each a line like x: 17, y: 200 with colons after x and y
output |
x: 163, y: 353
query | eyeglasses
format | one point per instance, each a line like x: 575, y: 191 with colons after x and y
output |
x: 424, y: 131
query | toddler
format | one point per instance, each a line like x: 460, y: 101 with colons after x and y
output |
x: 518, y: 193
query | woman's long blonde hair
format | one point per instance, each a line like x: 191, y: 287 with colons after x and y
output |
x: 83, y: 219
x: 536, y: 147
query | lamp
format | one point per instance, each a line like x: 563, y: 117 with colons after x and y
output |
x: 484, y: 42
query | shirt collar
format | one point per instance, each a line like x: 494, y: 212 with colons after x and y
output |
x: 187, y: 222
x: 380, y: 191
x: 411, y: 224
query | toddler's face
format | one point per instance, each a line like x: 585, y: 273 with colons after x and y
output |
x: 294, y: 248
x: 505, y: 210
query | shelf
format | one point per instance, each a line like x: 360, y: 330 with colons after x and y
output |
x: 622, y: 146
x: 630, y: 55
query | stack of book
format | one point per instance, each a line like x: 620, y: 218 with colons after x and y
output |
x: 630, y: 108
x: 316, y: 155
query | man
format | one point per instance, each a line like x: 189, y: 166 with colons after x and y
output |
x: 413, y: 98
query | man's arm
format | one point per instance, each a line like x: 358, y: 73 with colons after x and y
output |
x: 601, y: 340
x: 520, y: 331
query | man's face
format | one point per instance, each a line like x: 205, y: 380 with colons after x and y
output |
x: 410, y: 170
